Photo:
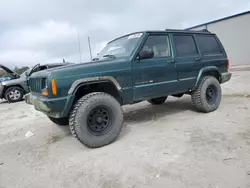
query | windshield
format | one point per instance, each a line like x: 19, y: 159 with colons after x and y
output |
x: 122, y: 47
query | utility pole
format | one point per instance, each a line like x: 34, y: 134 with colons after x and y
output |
x: 79, y: 46
x: 90, y: 52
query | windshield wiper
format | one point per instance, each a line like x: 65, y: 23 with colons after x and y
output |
x: 109, y: 55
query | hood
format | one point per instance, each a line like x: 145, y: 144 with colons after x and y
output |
x: 12, y: 73
x: 89, y: 68
x: 82, y: 69
x: 72, y: 65
x: 87, y: 64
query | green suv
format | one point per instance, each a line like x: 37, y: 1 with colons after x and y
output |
x: 149, y: 65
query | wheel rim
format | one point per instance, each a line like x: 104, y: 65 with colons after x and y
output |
x: 15, y: 94
x: 211, y: 94
x: 99, y: 120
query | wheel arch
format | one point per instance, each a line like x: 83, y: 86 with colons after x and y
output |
x: 9, y: 86
x: 106, y: 84
x: 207, y: 71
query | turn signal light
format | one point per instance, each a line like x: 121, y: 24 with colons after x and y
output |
x: 53, y: 87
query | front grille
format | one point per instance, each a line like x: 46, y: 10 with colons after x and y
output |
x: 37, y: 84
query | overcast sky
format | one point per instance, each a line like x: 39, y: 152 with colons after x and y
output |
x: 42, y: 31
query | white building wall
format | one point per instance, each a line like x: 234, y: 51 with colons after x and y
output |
x: 234, y: 33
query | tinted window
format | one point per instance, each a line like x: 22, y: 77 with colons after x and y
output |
x: 159, y: 44
x: 185, y: 45
x: 208, y: 44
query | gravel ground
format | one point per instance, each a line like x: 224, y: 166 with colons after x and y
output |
x: 160, y: 146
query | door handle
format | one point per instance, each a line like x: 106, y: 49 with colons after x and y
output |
x: 197, y: 58
x: 171, y: 61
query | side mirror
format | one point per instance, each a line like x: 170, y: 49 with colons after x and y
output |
x: 146, y: 54
x: 26, y: 74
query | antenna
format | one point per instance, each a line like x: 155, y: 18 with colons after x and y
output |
x: 90, y: 53
x: 79, y: 46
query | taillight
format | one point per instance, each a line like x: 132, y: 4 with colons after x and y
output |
x: 228, y: 64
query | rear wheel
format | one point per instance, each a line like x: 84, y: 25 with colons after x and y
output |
x: 207, y: 97
x: 96, y: 119
x: 60, y: 121
x: 157, y: 101
x: 14, y: 94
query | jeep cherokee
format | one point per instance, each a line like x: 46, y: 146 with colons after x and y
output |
x: 149, y: 65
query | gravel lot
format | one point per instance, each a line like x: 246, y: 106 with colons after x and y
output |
x: 160, y: 146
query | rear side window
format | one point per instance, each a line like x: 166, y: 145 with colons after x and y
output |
x: 208, y: 44
x: 185, y: 45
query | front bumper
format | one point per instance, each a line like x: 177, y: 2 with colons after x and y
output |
x: 225, y: 77
x: 53, y: 107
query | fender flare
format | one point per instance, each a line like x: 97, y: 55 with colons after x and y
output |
x: 205, y: 70
x: 90, y: 80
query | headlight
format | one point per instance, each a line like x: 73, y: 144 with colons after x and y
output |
x: 45, y: 87
x: 46, y: 84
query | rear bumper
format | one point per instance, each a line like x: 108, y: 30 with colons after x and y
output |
x: 225, y: 77
x: 57, y: 107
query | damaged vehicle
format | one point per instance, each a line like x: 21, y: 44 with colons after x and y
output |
x: 15, y: 86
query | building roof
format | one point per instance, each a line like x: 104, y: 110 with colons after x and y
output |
x: 221, y: 19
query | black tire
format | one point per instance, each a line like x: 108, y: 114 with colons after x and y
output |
x: 60, y: 121
x: 157, y: 101
x: 96, y: 119
x: 14, y: 94
x: 207, y: 97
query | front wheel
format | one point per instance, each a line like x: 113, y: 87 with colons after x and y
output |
x: 60, y: 121
x: 157, y: 101
x: 14, y: 94
x: 207, y: 97
x: 96, y: 119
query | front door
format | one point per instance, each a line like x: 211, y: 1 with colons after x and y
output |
x: 156, y: 76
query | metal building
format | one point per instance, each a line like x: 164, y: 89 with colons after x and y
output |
x: 234, y: 33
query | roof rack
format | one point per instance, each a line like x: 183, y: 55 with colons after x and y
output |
x: 205, y: 30
x: 175, y: 30
x: 187, y: 30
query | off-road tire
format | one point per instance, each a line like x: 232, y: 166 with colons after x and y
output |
x: 7, y: 94
x: 157, y: 101
x: 199, y: 96
x: 60, y: 121
x: 78, y: 120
